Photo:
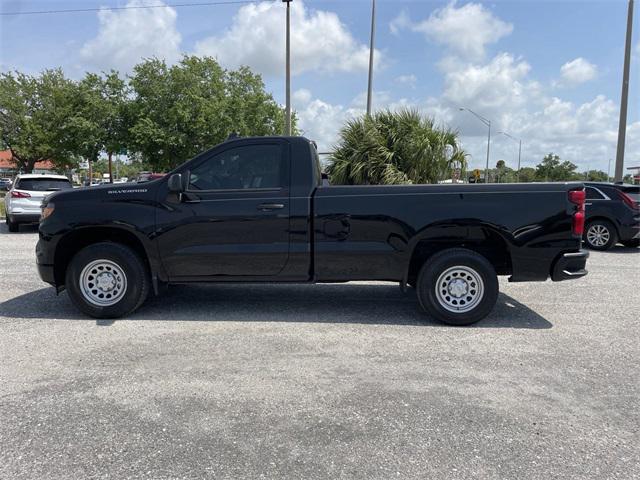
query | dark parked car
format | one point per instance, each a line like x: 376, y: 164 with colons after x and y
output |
x: 613, y: 215
x: 258, y: 210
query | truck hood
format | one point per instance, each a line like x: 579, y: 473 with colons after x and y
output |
x: 111, y: 192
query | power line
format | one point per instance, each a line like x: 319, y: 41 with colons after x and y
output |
x: 131, y: 7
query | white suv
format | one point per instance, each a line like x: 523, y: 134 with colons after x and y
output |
x: 25, y: 197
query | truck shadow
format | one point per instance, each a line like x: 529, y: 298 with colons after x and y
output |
x: 352, y: 303
x: 622, y: 249
x: 23, y: 228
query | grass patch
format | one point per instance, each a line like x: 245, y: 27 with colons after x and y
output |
x: 1, y: 207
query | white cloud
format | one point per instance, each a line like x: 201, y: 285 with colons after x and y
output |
x: 126, y: 37
x: 319, y: 41
x: 498, y: 85
x: 407, y: 80
x: 464, y: 30
x: 321, y: 121
x: 401, y: 22
x: 503, y: 89
x: 578, y: 71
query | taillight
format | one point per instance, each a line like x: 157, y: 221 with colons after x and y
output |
x: 577, y: 197
x: 16, y: 194
x: 629, y: 202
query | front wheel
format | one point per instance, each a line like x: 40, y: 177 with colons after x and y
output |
x: 457, y: 286
x: 107, y: 280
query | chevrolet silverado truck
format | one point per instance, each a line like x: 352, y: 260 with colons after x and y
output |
x: 260, y: 210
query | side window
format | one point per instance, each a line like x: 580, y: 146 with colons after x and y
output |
x: 249, y: 166
x: 593, y: 194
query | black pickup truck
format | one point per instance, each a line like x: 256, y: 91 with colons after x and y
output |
x: 258, y: 210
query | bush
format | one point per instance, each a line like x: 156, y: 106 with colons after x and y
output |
x: 394, y: 148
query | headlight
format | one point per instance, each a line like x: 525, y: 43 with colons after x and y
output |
x: 47, y: 210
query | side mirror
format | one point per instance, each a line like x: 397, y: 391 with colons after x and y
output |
x: 175, y: 183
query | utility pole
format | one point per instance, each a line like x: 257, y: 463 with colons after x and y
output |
x: 371, y: 47
x: 110, y: 168
x: 609, y: 171
x: 624, y: 98
x: 487, y: 122
x: 287, y: 120
x: 519, y: 151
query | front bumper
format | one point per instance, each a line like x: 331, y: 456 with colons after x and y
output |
x: 570, y: 266
x: 44, y: 262
x: 46, y: 274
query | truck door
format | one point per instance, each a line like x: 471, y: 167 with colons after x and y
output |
x: 233, y: 220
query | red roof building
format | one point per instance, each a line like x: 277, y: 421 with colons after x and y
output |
x: 7, y: 167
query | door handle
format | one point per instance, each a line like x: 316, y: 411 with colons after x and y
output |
x: 270, y: 206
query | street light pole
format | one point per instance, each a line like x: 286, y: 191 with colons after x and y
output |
x: 488, y: 124
x: 624, y: 98
x: 372, y: 41
x: 287, y: 120
x: 519, y: 140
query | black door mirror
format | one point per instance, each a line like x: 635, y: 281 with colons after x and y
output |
x: 175, y: 183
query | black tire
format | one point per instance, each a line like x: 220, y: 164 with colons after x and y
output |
x: 633, y: 243
x: 12, y: 226
x: 135, y: 287
x: 473, y: 267
x: 600, y: 235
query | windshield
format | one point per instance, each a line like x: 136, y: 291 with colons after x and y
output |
x: 43, y: 184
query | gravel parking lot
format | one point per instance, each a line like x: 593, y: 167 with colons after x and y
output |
x: 328, y: 381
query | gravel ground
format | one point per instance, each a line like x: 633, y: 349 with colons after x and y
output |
x: 326, y: 381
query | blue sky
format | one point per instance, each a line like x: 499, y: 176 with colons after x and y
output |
x: 545, y: 71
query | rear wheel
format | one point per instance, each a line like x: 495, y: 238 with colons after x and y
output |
x: 107, y: 280
x: 457, y: 286
x: 600, y: 235
x: 12, y: 226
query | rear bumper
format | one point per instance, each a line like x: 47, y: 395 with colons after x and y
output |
x: 630, y: 231
x: 570, y: 266
x: 20, y: 217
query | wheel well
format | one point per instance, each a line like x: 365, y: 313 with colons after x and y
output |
x: 75, y: 241
x: 484, y: 241
x: 593, y: 219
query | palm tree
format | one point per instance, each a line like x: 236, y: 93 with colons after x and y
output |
x: 394, y: 148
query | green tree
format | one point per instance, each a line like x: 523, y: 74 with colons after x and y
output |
x: 33, y: 111
x: 552, y: 169
x: 394, y: 148
x: 98, y: 122
x: 502, y: 173
x: 527, y: 174
x: 595, y: 176
x: 181, y: 110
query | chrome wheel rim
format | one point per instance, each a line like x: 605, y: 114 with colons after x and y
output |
x: 103, y: 283
x: 598, y: 235
x: 459, y: 289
